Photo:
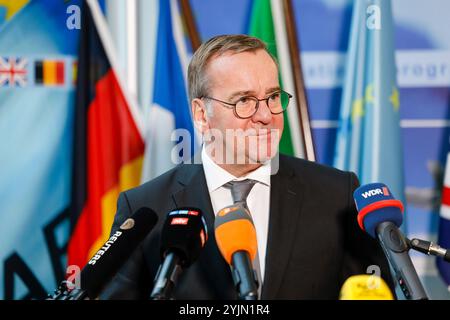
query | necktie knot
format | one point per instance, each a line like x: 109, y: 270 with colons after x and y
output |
x: 240, y: 190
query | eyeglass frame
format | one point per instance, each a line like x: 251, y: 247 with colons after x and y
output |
x: 233, y: 105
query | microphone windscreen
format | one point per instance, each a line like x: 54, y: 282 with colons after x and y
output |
x: 106, y: 262
x: 365, y: 287
x: 376, y: 204
x: 234, y: 231
x: 185, y: 233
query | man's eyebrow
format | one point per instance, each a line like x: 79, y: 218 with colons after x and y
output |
x: 251, y: 93
x: 274, y: 89
x: 241, y: 93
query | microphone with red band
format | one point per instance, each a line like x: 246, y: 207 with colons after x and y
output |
x: 377, y: 197
x: 183, y: 237
x: 380, y: 215
x: 236, y: 239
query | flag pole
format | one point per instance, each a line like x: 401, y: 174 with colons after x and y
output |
x: 299, y: 83
x: 191, y: 26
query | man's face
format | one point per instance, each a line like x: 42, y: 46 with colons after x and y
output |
x: 235, y: 76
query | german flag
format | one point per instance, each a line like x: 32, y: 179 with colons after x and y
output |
x: 108, y: 145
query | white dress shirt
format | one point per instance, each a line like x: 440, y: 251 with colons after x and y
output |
x: 258, y: 200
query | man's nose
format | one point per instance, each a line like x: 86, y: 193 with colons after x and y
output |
x: 263, y: 113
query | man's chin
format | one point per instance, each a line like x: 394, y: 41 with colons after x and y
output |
x: 261, y: 160
x: 262, y: 156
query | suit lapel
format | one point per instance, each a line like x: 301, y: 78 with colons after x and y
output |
x: 193, y: 192
x: 285, y: 208
x: 286, y: 194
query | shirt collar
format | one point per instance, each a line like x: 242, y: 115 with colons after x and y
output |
x: 216, y: 176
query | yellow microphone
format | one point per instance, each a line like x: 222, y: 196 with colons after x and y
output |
x: 365, y: 287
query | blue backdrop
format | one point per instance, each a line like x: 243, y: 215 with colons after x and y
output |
x: 423, y: 75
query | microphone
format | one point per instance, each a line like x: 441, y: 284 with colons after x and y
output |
x: 102, y: 267
x: 380, y: 215
x: 183, y: 236
x: 365, y: 287
x: 430, y: 248
x: 236, y: 239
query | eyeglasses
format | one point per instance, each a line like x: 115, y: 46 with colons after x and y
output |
x: 247, y: 106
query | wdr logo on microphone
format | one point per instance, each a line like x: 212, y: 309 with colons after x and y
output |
x: 379, y: 191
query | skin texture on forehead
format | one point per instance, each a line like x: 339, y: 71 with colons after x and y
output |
x: 247, y: 72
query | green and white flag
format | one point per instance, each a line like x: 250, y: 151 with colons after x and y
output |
x: 267, y: 24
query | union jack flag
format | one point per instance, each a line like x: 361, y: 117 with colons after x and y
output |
x: 13, y: 72
x: 444, y: 224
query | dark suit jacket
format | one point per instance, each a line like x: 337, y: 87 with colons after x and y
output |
x: 314, y: 243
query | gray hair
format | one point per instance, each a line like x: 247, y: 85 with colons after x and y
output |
x: 197, y: 80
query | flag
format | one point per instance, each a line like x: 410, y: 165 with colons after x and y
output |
x: 13, y: 71
x: 108, y: 143
x: 267, y: 23
x: 170, y: 108
x: 444, y: 224
x: 49, y: 72
x: 369, y: 137
x: 36, y: 134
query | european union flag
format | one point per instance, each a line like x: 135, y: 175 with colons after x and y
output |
x: 369, y: 137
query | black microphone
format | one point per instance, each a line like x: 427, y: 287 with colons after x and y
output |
x: 183, y: 236
x: 102, y: 267
x: 380, y: 215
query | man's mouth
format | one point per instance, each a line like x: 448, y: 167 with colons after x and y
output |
x: 261, y: 133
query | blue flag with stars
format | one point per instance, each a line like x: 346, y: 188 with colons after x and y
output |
x: 369, y: 138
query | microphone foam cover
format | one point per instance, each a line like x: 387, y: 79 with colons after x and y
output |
x: 114, y: 253
x: 365, y: 287
x: 234, y: 231
x: 375, y: 204
x: 185, y: 232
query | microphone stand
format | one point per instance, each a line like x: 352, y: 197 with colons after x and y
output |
x: 429, y: 248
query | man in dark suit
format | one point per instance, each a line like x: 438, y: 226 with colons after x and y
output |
x: 309, y: 242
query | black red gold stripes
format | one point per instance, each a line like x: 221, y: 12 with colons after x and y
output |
x: 49, y: 72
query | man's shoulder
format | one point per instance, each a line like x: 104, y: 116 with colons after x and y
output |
x: 164, y: 181
x: 308, y: 168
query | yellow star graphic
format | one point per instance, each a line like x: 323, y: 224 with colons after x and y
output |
x: 357, y: 109
x: 369, y: 94
x: 12, y: 6
x: 395, y: 98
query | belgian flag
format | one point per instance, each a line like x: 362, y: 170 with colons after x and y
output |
x: 108, y: 144
x: 49, y: 72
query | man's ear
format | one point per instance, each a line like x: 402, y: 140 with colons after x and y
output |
x: 199, y: 115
